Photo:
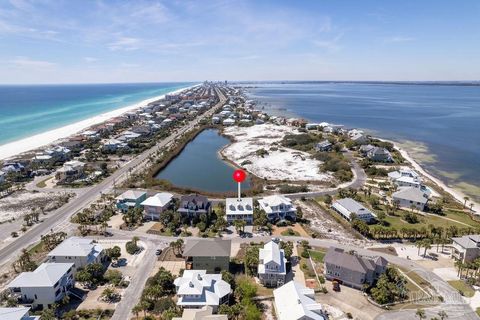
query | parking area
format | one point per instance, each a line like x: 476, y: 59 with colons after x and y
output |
x: 172, y: 266
x: 351, y: 301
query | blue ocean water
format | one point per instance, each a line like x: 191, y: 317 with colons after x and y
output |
x: 443, y: 118
x: 26, y: 110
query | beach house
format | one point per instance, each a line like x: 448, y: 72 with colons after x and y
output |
x: 294, y: 301
x: 378, y: 154
x: 79, y: 251
x: 194, y: 205
x: 17, y: 313
x: 348, y: 207
x: 271, y: 265
x: 466, y: 248
x: 403, y: 172
x: 130, y: 199
x: 212, y: 255
x: 324, y: 145
x: 278, y: 207
x: 239, y: 209
x: 406, y: 181
x: 196, y: 289
x: 70, y: 171
x: 408, y: 197
x: 205, y: 313
x: 155, y: 205
x: 48, y: 284
x: 112, y: 145
x: 352, y: 270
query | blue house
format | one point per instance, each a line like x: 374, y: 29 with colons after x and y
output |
x: 130, y: 199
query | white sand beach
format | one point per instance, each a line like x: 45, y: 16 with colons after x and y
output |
x: 280, y: 163
x: 11, y: 149
x: 453, y: 192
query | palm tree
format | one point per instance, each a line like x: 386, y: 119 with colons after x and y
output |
x: 442, y: 314
x: 427, y: 244
x: 419, y: 245
x: 471, y: 206
x: 465, y: 203
x: 420, y: 314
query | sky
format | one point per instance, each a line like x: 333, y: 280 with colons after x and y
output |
x: 88, y: 41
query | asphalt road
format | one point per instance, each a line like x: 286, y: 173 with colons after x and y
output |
x: 454, y: 305
x: 83, y: 199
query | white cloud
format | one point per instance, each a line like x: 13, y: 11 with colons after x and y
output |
x: 125, y: 43
x: 25, y: 62
x: 399, y: 39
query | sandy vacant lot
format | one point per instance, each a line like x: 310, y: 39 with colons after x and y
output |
x: 280, y: 163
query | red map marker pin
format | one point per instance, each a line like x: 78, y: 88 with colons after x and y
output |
x: 239, y: 176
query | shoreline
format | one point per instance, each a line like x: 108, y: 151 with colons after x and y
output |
x: 455, y: 193
x: 23, y: 145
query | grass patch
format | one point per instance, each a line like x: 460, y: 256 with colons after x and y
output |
x: 463, y: 288
x: 290, y: 232
x: 478, y: 311
x: 317, y: 256
x: 43, y: 183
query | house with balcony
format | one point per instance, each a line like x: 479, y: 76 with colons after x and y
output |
x: 351, y: 269
x: 48, y: 284
x: 212, y: 255
x: 272, y: 265
x: 194, y: 205
x: 130, y: 199
x: 408, y: 197
x: 278, y: 207
x: 466, y: 248
x: 79, y: 251
x: 348, y: 208
x: 17, y: 313
x: 70, y: 171
x: 196, y: 289
x: 155, y: 205
x: 239, y: 209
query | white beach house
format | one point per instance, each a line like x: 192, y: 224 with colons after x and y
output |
x: 48, y: 284
x: 347, y: 206
x: 272, y: 265
x: 239, y: 209
x: 278, y: 207
x: 79, y: 251
x: 155, y: 205
x: 196, y: 289
x: 294, y: 301
x: 407, y: 197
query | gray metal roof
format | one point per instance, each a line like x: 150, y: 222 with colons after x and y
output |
x: 339, y: 257
x: 207, y: 248
x: 46, y: 275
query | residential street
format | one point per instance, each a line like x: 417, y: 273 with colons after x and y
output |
x: 84, y: 199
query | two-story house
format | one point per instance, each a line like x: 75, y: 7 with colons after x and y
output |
x: 239, y: 209
x: 351, y: 269
x: 272, y: 265
x: 466, y: 248
x: 278, y: 207
x: 196, y: 289
x: 79, y: 251
x: 212, y: 255
x: 48, y: 284
x: 130, y: 199
x: 194, y: 205
x: 155, y: 205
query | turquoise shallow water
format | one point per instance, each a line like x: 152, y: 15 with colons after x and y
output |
x: 26, y: 110
x: 443, y: 120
